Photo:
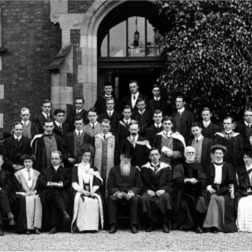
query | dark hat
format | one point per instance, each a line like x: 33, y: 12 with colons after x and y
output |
x: 219, y: 147
x: 5, y: 135
x: 27, y: 156
x: 127, y: 151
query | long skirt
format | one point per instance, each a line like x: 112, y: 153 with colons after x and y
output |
x: 244, y: 214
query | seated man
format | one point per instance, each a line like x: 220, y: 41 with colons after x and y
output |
x: 124, y: 186
x: 53, y: 184
x: 190, y: 196
x: 157, y: 189
x: 5, y: 189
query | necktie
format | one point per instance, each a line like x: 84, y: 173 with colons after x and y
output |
x: 47, y: 116
x: 134, y: 142
x: 109, y: 113
x: 104, y: 136
x: 134, y: 97
x: 93, y: 125
x: 197, y: 140
x: 60, y: 126
x: 29, y: 174
x: 79, y: 134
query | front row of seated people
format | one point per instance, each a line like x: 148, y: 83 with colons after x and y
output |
x: 188, y: 198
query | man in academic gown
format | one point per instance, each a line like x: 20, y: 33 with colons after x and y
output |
x: 190, y: 194
x: 170, y: 145
x: 202, y: 145
x: 45, y: 115
x: 54, y: 185
x: 43, y: 145
x: 133, y: 97
x: 6, y: 187
x: 100, y: 104
x: 208, y: 127
x: 74, y: 141
x: 59, y: 127
x: 232, y: 141
x: 158, y: 102
x: 14, y: 147
x: 124, y: 187
x: 157, y: 127
x: 183, y: 118
x: 157, y: 191
x: 78, y: 110
x: 93, y: 127
x: 137, y: 144
x: 111, y: 115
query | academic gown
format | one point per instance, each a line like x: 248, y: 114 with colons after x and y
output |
x: 241, y: 128
x: 127, y: 101
x: 100, y: 104
x: 190, y: 200
x: 54, y: 199
x: 143, y: 126
x: 71, y: 116
x: 123, y: 132
x: 161, y: 179
x: 39, y: 120
x: 162, y: 105
x: 210, y: 131
x: 61, y: 132
x: 151, y: 133
x: 114, y: 120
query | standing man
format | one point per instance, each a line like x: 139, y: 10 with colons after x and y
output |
x: 245, y: 128
x: 111, y: 115
x: 202, y: 146
x: 14, y: 147
x: 208, y: 128
x: 43, y: 145
x: 133, y: 97
x: 105, y: 151
x: 232, y: 141
x: 93, y: 127
x: 137, y: 145
x: 183, y: 118
x: 157, y: 102
x: 170, y: 145
x: 74, y: 141
x: 143, y: 116
x: 54, y: 184
x: 44, y: 115
x: 100, y: 104
x: 156, y: 127
x: 157, y: 191
x: 59, y: 127
x: 124, y: 187
x: 79, y: 110
x: 29, y: 128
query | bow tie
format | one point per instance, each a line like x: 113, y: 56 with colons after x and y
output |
x: 48, y: 135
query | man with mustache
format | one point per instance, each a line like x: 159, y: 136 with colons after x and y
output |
x: 124, y: 186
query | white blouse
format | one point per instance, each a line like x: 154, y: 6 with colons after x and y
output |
x: 218, y: 174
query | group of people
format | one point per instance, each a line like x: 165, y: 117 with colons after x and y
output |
x: 77, y: 173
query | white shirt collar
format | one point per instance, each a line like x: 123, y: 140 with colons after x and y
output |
x: 181, y: 110
x: 199, y: 138
x: 153, y: 165
x: 110, y: 112
x: 78, y: 110
x: 136, y: 137
x: 206, y: 124
x: 17, y: 138
x: 45, y: 115
x: 91, y: 124
x: 169, y: 133
x: 25, y: 123
x: 228, y: 132
x: 158, y: 125
x: 107, y: 96
x: 58, y: 124
x: 141, y: 112
x: 127, y: 121
x: 136, y: 94
x: 77, y: 131
x: 56, y: 167
x: 248, y: 167
x: 157, y: 98
x: 247, y: 124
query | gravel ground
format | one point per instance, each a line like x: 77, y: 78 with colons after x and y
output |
x: 125, y: 241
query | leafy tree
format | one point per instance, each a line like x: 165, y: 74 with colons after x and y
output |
x: 208, y: 46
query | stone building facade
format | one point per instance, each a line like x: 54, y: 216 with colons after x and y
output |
x: 52, y: 48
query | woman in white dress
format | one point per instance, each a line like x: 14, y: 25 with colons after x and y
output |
x: 244, y: 194
x: 86, y: 184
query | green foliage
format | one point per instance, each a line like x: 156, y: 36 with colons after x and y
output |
x: 209, y: 53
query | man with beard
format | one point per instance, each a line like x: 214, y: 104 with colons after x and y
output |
x: 157, y: 191
x: 124, y: 187
x: 190, y: 184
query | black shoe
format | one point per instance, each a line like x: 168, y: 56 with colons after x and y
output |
x: 28, y: 232
x: 112, y: 230
x: 150, y: 228
x: 1, y: 232
x: 134, y: 229
x: 214, y: 230
x: 37, y: 231
x: 66, y: 216
x: 165, y: 228
x: 53, y: 230
x: 198, y: 230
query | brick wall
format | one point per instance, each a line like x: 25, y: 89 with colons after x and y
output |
x: 31, y: 41
x: 79, y: 6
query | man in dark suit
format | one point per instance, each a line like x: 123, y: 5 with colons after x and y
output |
x: 124, y: 186
x: 157, y: 191
x: 245, y: 128
x: 202, y: 145
x: 156, y: 127
x: 111, y: 115
x: 79, y: 110
x: 133, y: 97
x: 93, y: 127
x: 137, y: 144
x: 43, y: 145
x: 44, y: 115
x: 100, y: 104
x: 14, y: 147
x: 158, y: 102
x: 183, y: 118
x: 208, y: 128
x: 29, y: 129
x: 59, y: 127
x: 74, y: 141
x: 6, y: 188
x: 142, y: 116
x: 54, y: 184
